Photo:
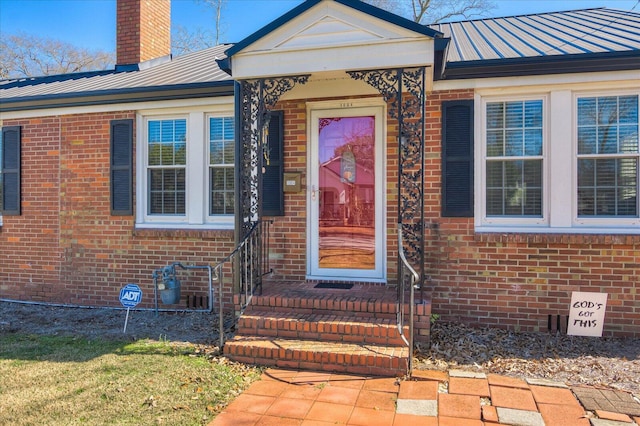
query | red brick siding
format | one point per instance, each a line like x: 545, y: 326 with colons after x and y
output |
x: 66, y: 247
x: 512, y: 281
x: 515, y: 281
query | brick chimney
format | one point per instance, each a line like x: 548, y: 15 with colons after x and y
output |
x: 143, y: 30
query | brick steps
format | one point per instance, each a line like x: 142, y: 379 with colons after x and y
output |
x: 335, y: 328
x: 326, y: 305
x: 363, y: 359
x: 295, y: 325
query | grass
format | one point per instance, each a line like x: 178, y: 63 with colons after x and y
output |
x: 53, y: 380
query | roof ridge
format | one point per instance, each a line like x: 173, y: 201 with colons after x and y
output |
x: 556, y: 12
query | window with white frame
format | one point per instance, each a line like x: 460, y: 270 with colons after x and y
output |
x: 514, y: 160
x: 187, y: 177
x: 607, y: 156
x: 221, y: 162
x: 166, y: 166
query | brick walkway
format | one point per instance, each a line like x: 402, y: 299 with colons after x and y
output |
x: 288, y: 397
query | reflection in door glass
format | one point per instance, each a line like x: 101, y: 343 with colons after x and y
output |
x: 347, y: 193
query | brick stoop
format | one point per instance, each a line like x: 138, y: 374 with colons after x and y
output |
x: 294, y: 325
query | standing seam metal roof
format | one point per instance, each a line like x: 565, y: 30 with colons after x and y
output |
x: 476, y: 43
x: 193, y: 69
x: 547, y: 34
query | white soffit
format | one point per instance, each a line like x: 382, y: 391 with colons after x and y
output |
x: 331, y: 37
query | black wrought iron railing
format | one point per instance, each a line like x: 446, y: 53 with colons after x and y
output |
x: 407, y: 280
x: 243, y: 271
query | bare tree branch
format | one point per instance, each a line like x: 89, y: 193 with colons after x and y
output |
x: 23, y: 55
x: 434, y: 11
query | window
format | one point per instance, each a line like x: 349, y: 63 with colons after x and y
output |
x: 167, y: 163
x: 221, y: 162
x: 608, y: 156
x: 186, y: 171
x: 562, y: 162
x: 514, y: 160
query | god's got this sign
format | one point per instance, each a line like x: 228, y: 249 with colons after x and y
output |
x: 586, y: 315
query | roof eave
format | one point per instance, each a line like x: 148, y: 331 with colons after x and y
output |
x: 110, y: 97
x: 541, y: 65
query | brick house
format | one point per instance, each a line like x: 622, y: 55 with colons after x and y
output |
x: 501, y: 155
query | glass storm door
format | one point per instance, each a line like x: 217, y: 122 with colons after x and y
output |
x: 346, y: 195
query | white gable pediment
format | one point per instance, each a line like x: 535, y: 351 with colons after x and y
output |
x: 329, y: 31
x: 329, y: 37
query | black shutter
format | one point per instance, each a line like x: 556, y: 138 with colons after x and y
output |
x: 272, y: 179
x: 457, y: 158
x: 121, y: 167
x: 10, y: 194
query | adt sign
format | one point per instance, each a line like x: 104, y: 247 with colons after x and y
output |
x: 130, y: 295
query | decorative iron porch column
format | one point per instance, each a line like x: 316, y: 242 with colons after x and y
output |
x: 404, y: 91
x: 254, y: 100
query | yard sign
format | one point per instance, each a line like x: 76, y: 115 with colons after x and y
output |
x: 586, y: 314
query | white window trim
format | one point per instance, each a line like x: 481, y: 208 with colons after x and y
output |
x: 560, y: 170
x: 490, y: 223
x: 197, y: 171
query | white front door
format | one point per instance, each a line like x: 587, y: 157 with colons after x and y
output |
x: 346, y: 193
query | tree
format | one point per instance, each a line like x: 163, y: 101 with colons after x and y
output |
x: 23, y: 55
x: 185, y: 40
x: 435, y: 11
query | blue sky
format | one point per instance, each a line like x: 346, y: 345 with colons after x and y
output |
x: 91, y: 23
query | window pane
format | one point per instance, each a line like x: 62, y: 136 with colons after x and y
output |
x: 607, y: 140
x: 533, y: 114
x: 586, y: 173
x: 216, y: 149
x: 628, y: 109
x: 495, y: 115
x: 229, y: 152
x: 587, y: 140
x: 533, y: 142
x: 514, y: 115
x: 154, y: 131
x: 495, y: 143
x: 587, y: 112
x: 229, y: 179
x: 495, y: 206
x: 607, y: 110
x: 514, y: 143
x: 628, y: 139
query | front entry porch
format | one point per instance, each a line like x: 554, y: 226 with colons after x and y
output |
x: 300, y: 326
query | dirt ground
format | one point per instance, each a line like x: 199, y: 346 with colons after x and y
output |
x: 104, y: 323
x: 602, y: 362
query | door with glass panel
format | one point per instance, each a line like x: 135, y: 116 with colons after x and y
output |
x: 346, y: 195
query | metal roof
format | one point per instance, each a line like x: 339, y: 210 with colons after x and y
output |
x: 576, y: 32
x: 558, y: 42
x: 184, y: 76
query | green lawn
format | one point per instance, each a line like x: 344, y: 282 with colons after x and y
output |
x: 66, y: 381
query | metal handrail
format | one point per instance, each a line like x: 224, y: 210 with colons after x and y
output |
x: 246, y: 264
x: 414, y: 277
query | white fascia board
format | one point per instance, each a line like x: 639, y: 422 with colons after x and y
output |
x: 525, y: 84
x: 387, y: 54
x: 185, y: 104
